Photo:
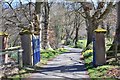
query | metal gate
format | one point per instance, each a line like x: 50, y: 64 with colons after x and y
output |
x: 36, y: 49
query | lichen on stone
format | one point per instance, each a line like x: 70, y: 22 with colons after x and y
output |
x: 99, y: 29
x: 3, y: 34
x: 25, y: 32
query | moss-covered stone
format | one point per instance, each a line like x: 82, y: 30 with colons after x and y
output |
x: 3, y: 34
x: 100, y: 30
x: 25, y: 32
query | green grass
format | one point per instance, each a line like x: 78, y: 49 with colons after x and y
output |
x: 99, y: 72
x: 81, y: 43
x: 96, y: 73
x: 108, y: 42
x: 49, y: 54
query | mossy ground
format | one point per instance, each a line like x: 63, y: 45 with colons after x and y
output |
x: 98, y: 72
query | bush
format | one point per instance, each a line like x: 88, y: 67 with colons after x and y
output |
x: 45, y: 55
x: 87, y: 53
x: 50, y: 53
x: 61, y: 50
x: 89, y: 60
x: 14, y: 56
x: 81, y: 43
x: 95, y: 72
x: 99, y: 72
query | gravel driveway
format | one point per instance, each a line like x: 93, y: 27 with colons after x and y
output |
x: 66, y: 66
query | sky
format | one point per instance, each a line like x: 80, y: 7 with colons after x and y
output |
x: 24, y: 1
x: 16, y: 2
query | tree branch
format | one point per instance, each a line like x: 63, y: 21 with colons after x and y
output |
x: 87, y: 13
x: 14, y: 12
x: 98, y: 10
x: 24, y: 12
x: 105, y: 13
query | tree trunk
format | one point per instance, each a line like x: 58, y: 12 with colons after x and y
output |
x: 108, y: 31
x: 77, y: 24
x: 92, y: 24
x: 38, y: 13
x: 92, y: 21
x: 89, y: 36
x: 57, y: 35
x: 117, y: 34
x: 45, y: 27
x: 67, y: 42
x: 76, y: 37
x: 90, y: 30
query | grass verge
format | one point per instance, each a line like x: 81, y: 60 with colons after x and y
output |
x: 99, y: 72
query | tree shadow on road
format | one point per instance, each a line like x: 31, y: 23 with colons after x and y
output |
x: 69, y: 68
x: 61, y: 69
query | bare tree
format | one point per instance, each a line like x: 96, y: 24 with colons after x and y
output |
x: 116, y: 41
x: 98, y: 15
x: 16, y: 18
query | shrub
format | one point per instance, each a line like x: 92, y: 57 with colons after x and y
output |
x: 99, y: 72
x: 96, y: 72
x: 44, y: 55
x: 87, y: 53
x: 89, y: 60
x: 14, y: 56
x: 50, y: 53
x: 61, y: 50
x: 81, y: 43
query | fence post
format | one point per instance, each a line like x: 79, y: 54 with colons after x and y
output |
x: 20, y: 61
x: 4, y: 45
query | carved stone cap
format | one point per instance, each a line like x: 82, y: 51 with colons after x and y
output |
x: 25, y: 32
x: 3, y: 34
x: 100, y: 30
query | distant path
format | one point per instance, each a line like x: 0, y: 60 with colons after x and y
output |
x: 67, y: 65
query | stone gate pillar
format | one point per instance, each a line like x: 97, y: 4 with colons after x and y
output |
x: 26, y: 43
x: 99, y: 47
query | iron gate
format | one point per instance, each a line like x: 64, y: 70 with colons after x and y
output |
x: 36, y: 49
